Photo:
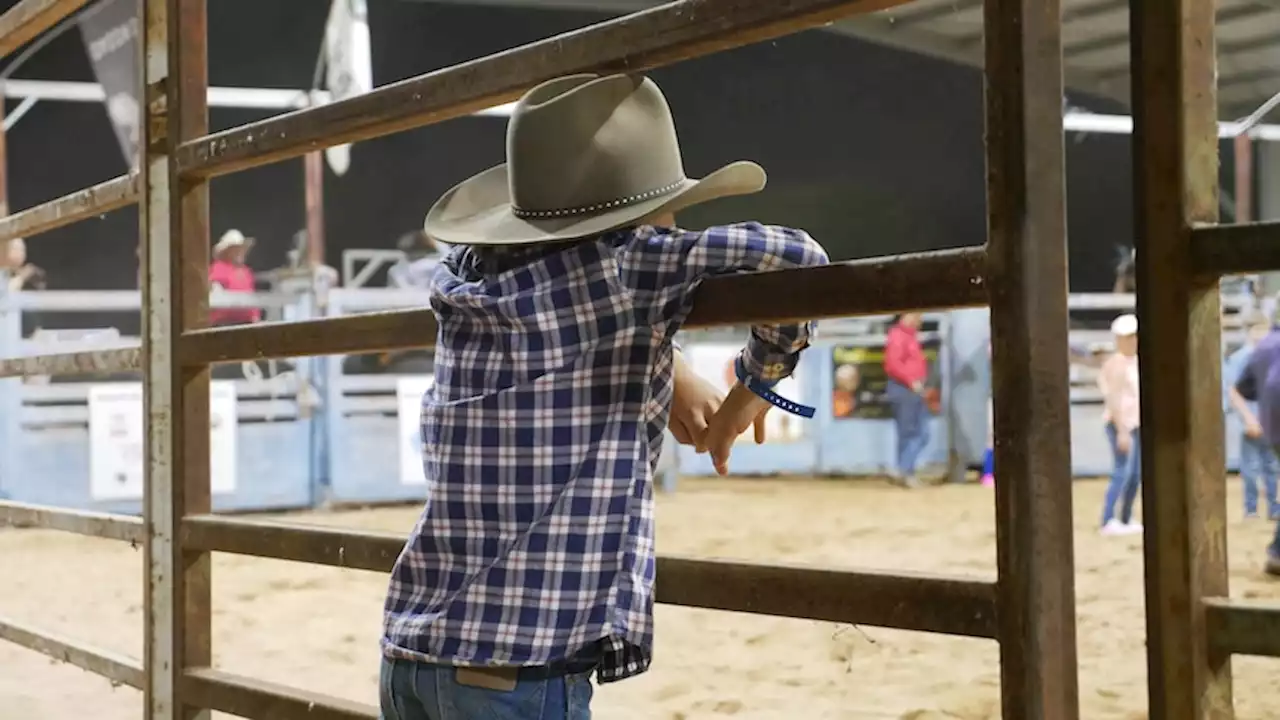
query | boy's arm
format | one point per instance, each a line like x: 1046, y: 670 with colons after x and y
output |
x: 694, y: 401
x: 772, y: 351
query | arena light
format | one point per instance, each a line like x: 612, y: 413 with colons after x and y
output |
x: 284, y: 99
x: 1076, y: 121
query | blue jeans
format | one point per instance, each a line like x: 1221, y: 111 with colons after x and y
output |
x: 1258, y: 459
x: 910, y: 419
x: 418, y: 691
x: 1126, y: 478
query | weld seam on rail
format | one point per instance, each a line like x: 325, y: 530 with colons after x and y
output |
x: 68, y: 209
x: 636, y: 42
x: 113, y: 666
x: 954, y: 606
x: 126, y: 528
x: 76, y: 363
x: 1243, y: 627
x: 260, y: 700
x: 29, y: 18
x: 929, y: 280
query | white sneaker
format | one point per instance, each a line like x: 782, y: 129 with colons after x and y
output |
x: 1133, y: 528
x: 1114, y: 527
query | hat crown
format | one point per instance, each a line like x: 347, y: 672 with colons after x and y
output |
x: 1125, y: 325
x: 584, y: 143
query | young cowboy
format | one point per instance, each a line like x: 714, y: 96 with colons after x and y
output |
x: 532, y: 565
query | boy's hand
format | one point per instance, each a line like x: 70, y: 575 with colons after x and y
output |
x: 741, y: 409
x: 694, y: 403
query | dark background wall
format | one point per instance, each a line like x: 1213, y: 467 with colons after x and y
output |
x: 874, y: 151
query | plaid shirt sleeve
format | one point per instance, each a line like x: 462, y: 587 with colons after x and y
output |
x: 675, y: 263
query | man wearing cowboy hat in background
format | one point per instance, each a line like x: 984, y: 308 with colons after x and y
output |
x: 228, y: 273
x: 532, y: 564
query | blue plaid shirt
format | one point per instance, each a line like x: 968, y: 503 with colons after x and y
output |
x: 553, y: 384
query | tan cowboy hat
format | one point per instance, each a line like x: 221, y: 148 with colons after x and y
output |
x: 585, y: 154
x: 231, y: 239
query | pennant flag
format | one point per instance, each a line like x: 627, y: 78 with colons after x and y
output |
x: 110, y: 33
x: 348, y: 63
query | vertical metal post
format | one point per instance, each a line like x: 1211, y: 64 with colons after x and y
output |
x: 1027, y: 282
x: 4, y: 164
x: 1175, y: 147
x: 313, y: 164
x: 1243, y: 189
x: 174, y: 217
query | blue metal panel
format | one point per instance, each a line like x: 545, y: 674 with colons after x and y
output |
x: 272, y: 472
x: 365, y: 462
x: 858, y: 446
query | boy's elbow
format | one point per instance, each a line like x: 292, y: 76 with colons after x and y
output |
x: 817, y: 253
x: 785, y: 248
x: 806, y: 251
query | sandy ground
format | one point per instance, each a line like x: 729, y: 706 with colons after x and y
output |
x: 317, y: 627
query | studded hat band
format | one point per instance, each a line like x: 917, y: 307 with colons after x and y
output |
x: 598, y: 207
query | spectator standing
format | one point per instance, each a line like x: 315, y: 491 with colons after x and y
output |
x: 1257, y: 459
x: 229, y: 273
x: 906, y: 368
x: 1260, y: 383
x: 22, y: 274
x: 1118, y: 381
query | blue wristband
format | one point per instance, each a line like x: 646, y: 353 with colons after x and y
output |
x: 767, y: 394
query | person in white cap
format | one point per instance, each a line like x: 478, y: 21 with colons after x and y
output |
x: 229, y: 273
x: 1118, y: 381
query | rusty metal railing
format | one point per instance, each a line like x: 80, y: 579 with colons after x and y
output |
x: 1029, y: 608
x: 1193, y: 626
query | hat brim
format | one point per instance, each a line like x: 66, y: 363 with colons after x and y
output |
x: 222, y: 247
x: 478, y: 211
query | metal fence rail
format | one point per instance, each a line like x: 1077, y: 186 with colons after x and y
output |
x: 90, y: 202
x: 114, y: 667
x: 946, y: 279
x: 1029, y: 609
x: 640, y: 41
x: 29, y: 18
x: 79, y: 522
x: 88, y: 361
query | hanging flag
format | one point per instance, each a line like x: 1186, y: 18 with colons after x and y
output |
x: 348, y: 63
x: 110, y: 32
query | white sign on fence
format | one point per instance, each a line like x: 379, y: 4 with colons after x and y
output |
x: 714, y: 363
x: 116, y: 449
x: 409, y: 392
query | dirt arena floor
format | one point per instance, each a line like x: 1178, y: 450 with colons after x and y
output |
x: 317, y: 627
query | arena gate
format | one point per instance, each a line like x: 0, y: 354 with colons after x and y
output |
x: 1029, y: 608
